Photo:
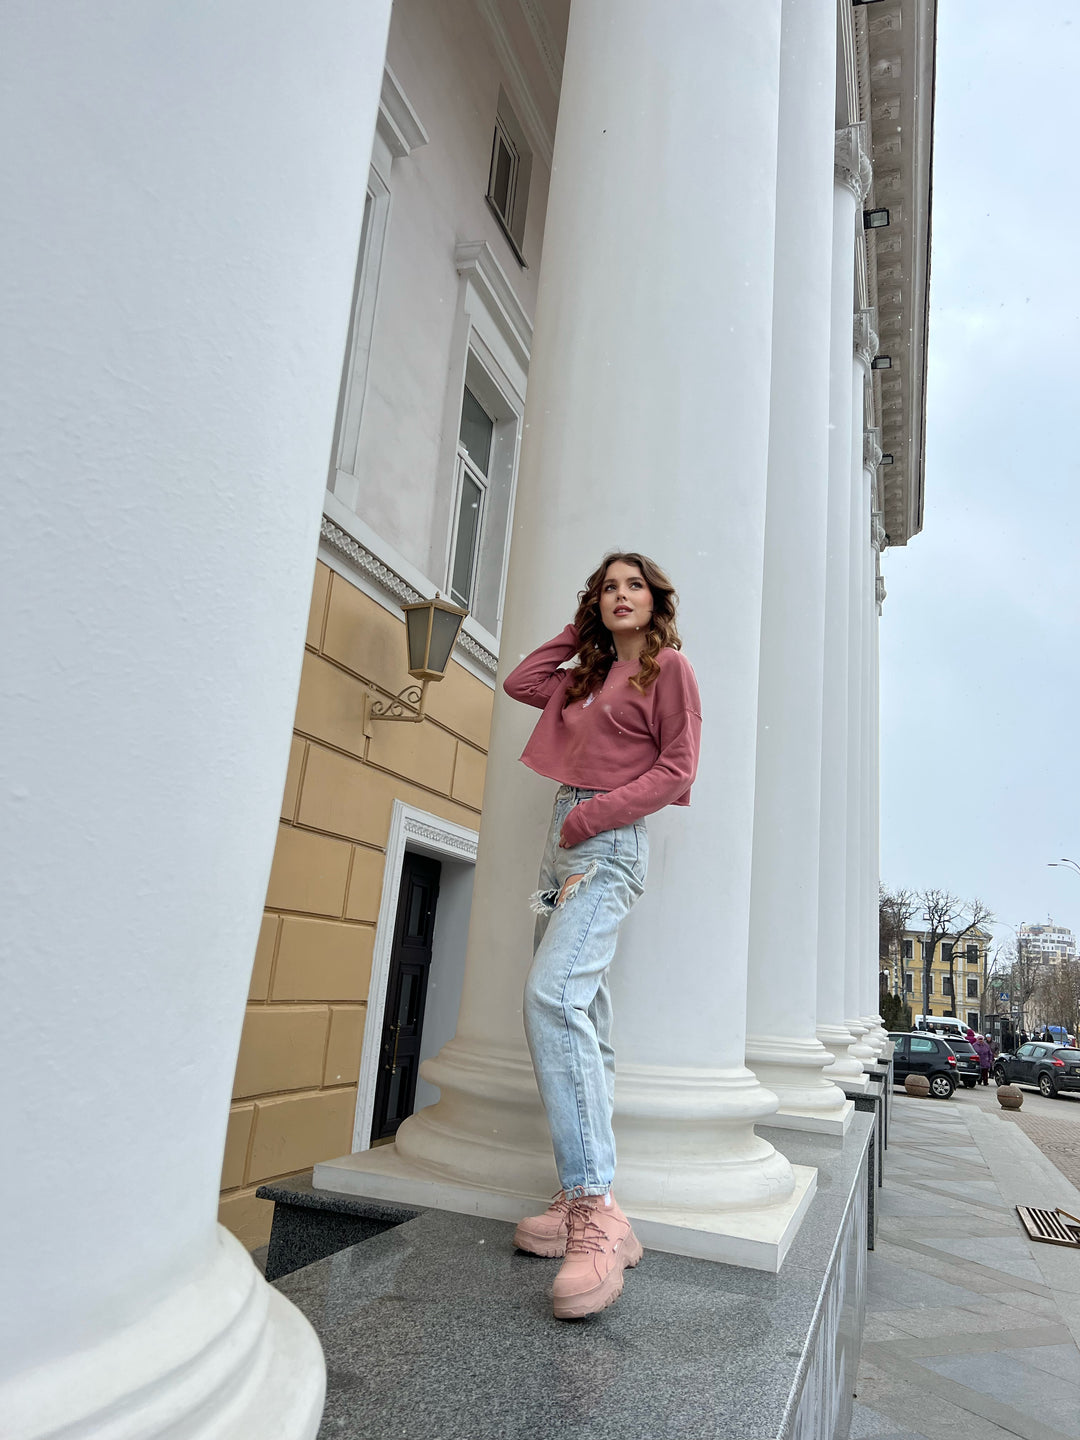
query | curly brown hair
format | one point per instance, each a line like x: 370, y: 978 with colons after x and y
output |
x: 597, y: 652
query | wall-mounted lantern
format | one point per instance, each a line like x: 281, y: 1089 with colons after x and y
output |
x: 881, y: 362
x: 875, y: 219
x: 431, y: 631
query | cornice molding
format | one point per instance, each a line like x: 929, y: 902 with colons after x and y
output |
x: 398, y: 123
x: 545, y: 42
x: 865, y: 335
x: 851, y: 161
x: 368, y: 564
x: 447, y: 839
x: 528, y: 111
x: 475, y: 260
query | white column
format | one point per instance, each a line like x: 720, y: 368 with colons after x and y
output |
x: 871, y: 846
x: 782, y: 1047
x: 182, y: 221
x: 864, y: 349
x: 646, y: 427
x: 833, y: 1030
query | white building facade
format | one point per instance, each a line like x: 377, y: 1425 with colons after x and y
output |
x: 603, y: 275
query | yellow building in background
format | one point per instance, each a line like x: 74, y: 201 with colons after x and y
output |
x: 957, y: 975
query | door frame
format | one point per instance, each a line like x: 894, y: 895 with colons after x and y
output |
x: 410, y: 829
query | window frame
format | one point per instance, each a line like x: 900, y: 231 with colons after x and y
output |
x: 466, y: 465
x: 509, y: 131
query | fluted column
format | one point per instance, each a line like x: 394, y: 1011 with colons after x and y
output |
x: 850, y: 179
x: 865, y: 346
x: 647, y: 426
x: 181, y: 236
x: 871, y: 842
x: 782, y: 1047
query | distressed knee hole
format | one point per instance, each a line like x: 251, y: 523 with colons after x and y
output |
x: 546, y: 902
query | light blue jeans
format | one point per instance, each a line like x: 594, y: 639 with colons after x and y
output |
x: 567, y: 999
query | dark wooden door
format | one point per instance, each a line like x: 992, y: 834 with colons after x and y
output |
x: 406, y: 994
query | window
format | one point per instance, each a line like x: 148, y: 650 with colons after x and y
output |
x: 972, y: 987
x: 946, y: 951
x: 973, y: 1019
x: 946, y: 985
x: 905, y: 949
x: 929, y: 984
x: 471, y: 482
x: 909, y: 983
x: 972, y: 954
x: 918, y: 1045
x: 508, y: 176
x: 345, y: 460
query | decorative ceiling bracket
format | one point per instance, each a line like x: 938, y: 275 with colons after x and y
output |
x: 865, y: 335
x: 851, y: 160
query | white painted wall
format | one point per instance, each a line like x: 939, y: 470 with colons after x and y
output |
x: 447, y: 974
x: 444, y: 57
x: 181, y: 231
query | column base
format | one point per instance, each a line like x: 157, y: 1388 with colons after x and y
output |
x: 847, y: 1069
x: 223, y: 1358
x: 836, y: 1122
x: 685, y: 1136
x: 795, y: 1071
x: 755, y: 1237
x: 861, y: 1050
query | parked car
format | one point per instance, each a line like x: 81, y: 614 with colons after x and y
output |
x: 1052, y: 1068
x: 929, y: 1055
x: 967, y: 1061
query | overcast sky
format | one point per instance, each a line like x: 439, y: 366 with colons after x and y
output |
x: 980, y: 694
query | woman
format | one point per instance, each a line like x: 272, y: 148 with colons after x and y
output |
x: 620, y: 732
x: 986, y: 1058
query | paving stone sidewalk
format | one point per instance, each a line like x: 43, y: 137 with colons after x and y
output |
x: 1054, y: 1125
x: 972, y: 1330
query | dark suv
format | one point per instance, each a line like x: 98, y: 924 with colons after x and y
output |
x: 929, y: 1055
x: 967, y: 1061
x: 1051, y: 1067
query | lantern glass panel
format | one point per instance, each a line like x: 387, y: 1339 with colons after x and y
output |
x: 417, y: 623
x: 444, y: 631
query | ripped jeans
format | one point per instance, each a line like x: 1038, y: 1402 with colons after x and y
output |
x: 567, y: 999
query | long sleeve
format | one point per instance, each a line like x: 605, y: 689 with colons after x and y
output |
x: 538, y: 677
x: 669, y: 778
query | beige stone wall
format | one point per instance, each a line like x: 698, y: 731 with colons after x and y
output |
x: 295, y: 1088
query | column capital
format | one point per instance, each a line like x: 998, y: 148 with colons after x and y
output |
x: 865, y: 335
x: 871, y: 446
x: 879, y: 591
x: 878, y: 538
x: 851, y: 160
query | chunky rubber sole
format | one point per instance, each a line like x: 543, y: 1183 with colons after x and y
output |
x: 591, y: 1302
x: 553, y: 1249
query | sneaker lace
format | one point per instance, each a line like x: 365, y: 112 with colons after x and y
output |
x: 583, y: 1233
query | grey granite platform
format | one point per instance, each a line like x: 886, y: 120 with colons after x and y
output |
x: 437, y: 1329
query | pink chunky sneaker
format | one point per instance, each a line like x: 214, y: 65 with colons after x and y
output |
x: 599, y: 1246
x: 545, y: 1234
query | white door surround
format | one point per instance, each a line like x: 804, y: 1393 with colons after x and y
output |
x: 410, y: 829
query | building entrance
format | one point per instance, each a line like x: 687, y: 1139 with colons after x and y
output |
x: 406, y: 995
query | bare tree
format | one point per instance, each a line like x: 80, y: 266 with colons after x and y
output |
x: 1057, y: 991
x: 947, y: 918
x: 1022, y: 967
x: 895, y: 911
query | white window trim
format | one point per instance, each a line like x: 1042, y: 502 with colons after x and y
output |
x: 431, y: 835
x: 467, y: 466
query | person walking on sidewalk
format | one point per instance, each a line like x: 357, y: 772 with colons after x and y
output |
x: 620, y: 732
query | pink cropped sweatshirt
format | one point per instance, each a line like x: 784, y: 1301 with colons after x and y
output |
x: 642, y: 750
